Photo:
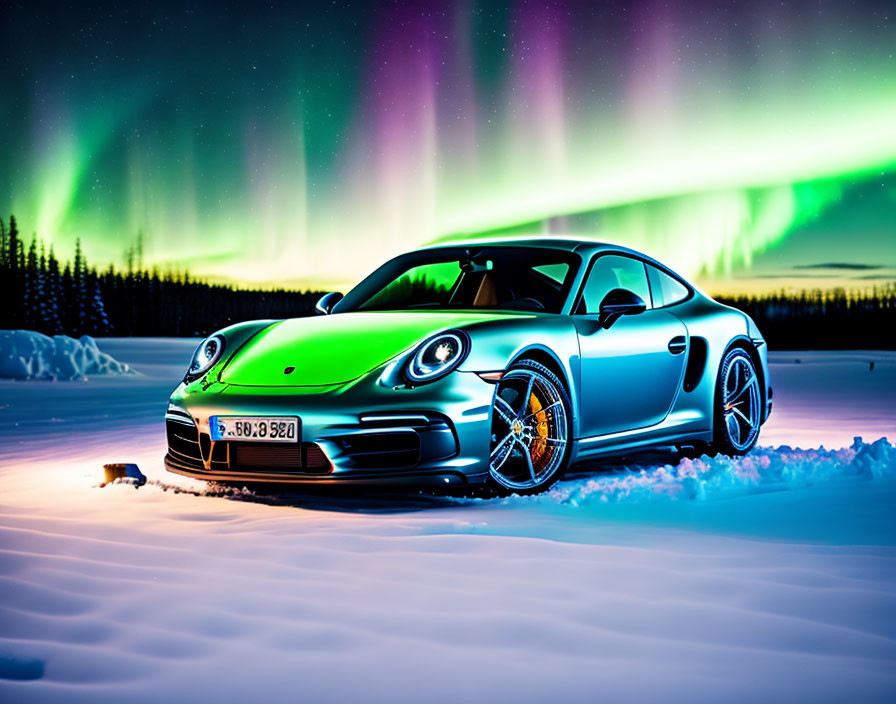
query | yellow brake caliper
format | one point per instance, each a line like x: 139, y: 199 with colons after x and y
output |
x: 539, y: 445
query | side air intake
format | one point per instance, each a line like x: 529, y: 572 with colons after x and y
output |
x: 696, y: 364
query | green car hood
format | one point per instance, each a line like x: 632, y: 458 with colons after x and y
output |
x: 332, y: 349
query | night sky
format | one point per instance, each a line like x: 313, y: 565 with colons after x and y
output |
x: 750, y: 144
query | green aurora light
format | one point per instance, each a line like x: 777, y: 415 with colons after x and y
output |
x: 305, y: 146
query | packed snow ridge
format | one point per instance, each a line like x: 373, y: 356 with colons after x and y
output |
x: 764, y: 469
x: 25, y: 354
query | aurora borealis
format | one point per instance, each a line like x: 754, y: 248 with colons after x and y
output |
x: 304, y: 145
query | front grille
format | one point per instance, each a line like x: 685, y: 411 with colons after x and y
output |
x: 379, y: 450
x: 307, y: 458
x: 268, y: 455
x: 183, y: 443
x: 394, y: 440
x: 187, y: 446
x: 383, y: 441
x: 315, y: 457
x: 219, y: 458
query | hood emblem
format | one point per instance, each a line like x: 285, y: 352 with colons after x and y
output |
x: 289, y: 370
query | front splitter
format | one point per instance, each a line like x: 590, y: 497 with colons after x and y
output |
x: 407, y: 479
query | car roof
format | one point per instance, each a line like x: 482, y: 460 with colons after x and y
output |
x: 546, y: 241
x: 583, y: 245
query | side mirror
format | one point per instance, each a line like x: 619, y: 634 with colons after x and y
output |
x: 619, y: 302
x: 325, y: 305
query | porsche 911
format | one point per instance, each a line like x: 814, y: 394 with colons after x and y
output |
x: 490, y: 363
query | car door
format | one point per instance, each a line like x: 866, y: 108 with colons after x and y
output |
x: 631, y: 371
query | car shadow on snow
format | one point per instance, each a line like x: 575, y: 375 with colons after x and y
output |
x: 372, y: 500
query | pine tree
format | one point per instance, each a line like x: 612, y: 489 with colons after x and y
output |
x: 54, y: 295
x: 67, y: 306
x: 2, y: 245
x: 80, y: 300
x: 14, y: 244
x: 6, y: 310
x: 15, y: 256
x: 129, y: 259
x: 99, y: 321
x: 30, y: 298
x: 43, y: 293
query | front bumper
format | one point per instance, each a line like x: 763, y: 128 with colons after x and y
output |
x: 364, y: 432
x: 380, y: 479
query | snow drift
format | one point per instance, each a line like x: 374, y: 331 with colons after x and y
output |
x: 25, y: 354
x: 764, y: 469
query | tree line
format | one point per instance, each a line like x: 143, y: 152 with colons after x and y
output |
x: 40, y: 292
x: 833, y: 319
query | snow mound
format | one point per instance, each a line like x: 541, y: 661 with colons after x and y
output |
x: 25, y: 354
x: 764, y: 469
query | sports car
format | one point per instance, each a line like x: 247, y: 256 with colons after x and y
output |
x: 490, y: 362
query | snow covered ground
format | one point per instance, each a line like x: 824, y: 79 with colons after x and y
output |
x: 768, y: 578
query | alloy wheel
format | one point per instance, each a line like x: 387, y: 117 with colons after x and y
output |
x: 529, y: 430
x: 741, y: 402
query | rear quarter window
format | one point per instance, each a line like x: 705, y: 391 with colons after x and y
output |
x: 555, y: 272
x: 666, y: 290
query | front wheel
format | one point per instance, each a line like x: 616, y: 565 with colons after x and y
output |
x: 531, y: 431
x: 738, y: 411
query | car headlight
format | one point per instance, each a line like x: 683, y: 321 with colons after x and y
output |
x: 205, y: 356
x: 437, y: 356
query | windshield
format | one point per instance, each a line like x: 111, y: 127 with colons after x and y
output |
x: 500, y: 278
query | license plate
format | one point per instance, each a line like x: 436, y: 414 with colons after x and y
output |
x: 254, y: 428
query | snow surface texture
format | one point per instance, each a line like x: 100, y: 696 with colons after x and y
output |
x: 25, y: 354
x: 769, y: 578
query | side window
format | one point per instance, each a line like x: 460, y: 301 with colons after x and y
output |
x: 666, y: 290
x: 613, y: 271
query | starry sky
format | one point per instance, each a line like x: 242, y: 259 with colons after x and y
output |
x: 751, y: 145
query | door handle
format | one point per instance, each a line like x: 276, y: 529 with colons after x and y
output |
x: 678, y: 344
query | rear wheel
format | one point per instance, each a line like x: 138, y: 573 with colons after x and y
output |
x: 738, y: 412
x: 530, y: 429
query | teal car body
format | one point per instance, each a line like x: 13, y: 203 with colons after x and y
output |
x: 642, y: 367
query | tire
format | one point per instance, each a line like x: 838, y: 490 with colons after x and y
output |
x: 737, y: 414
x: 531, y: 432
